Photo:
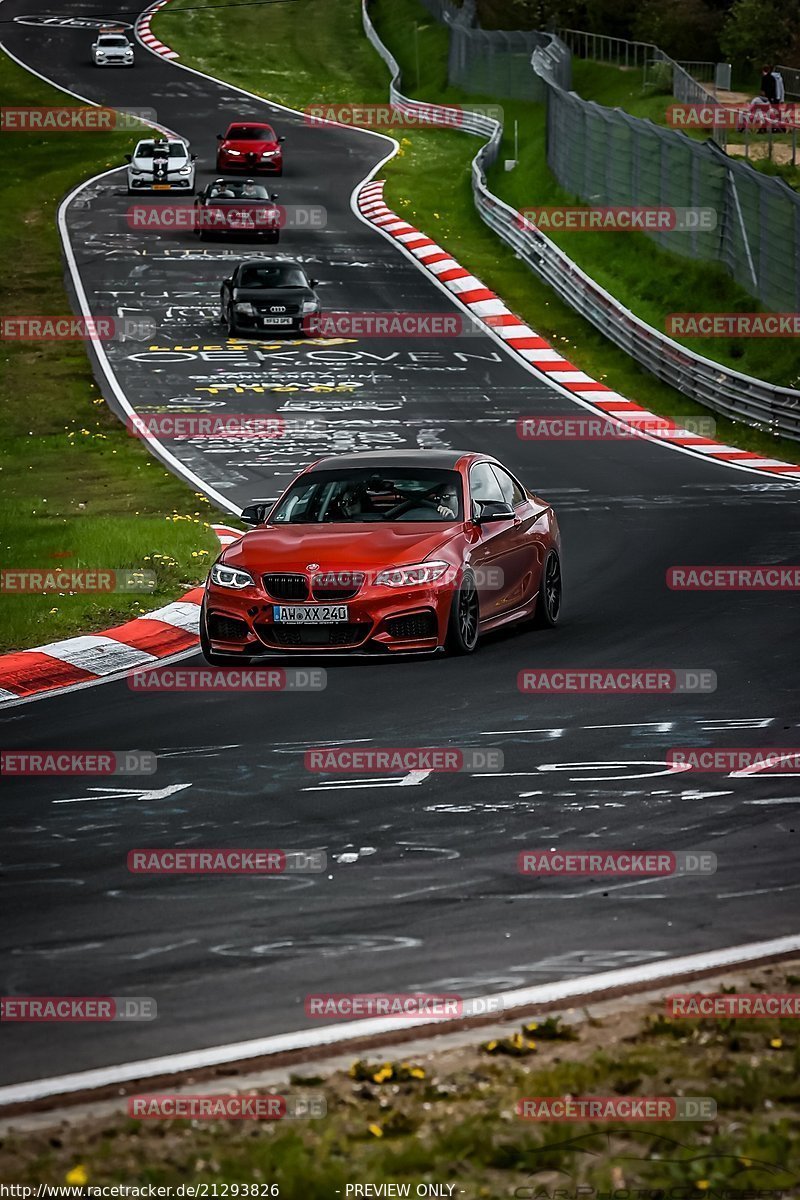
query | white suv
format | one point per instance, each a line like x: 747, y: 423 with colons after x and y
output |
x: 112, y: 50
x: 161, y: 165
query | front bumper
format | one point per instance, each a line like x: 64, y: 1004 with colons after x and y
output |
x: 380, y: 620
x: 141, y: 183
x: 268, y: 166
x: 296, y: 323
x: 113, y: 62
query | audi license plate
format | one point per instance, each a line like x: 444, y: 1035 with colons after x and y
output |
x: 276, y: 320
x: 317, y: 614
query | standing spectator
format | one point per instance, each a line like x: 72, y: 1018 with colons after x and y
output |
x: 768, y: 84
x: 780, y: 90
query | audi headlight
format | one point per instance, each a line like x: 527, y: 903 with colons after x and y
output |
x: 244, y: 308
x: 231, y: 577
x: 417, y: 574
x: 310, y: 306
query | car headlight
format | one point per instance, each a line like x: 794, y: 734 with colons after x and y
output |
x: 411, y: 576
x: 185, y: 171
x: 269, y: 153
x: 136, y: 171
x: 245, y: 308
x: 233, y: 153
x: 310, y: 306
x: 231, y: 577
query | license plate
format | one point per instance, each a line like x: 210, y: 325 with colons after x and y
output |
x: 276, y: 320
x: 162, y: 187
x: 317, y: 614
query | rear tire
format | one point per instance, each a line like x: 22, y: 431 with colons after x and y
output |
x: 462, y: 626
x: 549, y: 600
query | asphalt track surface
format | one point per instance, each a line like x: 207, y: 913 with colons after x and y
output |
x: 422, y: 890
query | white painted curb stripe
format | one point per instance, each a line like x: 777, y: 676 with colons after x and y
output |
x: 660, y: 971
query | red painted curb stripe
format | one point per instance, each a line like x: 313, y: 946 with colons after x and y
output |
x: 29, y: 672
x: 370, y: 201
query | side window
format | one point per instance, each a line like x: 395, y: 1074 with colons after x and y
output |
x: 512, y: 492
x: 483, y: 483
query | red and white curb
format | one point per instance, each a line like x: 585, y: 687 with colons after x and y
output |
x: 147, y: 639
x: 146, y: 35
x: 489, y: 310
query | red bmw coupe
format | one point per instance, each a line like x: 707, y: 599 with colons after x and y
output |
x: 250, y: 146
x: 397, y: 551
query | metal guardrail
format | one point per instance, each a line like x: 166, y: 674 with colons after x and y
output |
x: 686, y: 87
x: 734, y: 395
x: 791, y: 81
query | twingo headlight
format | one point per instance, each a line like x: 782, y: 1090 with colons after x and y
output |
x: 418, y: 574
x: 310, y: 306
x: 187, y: 170
x: 231, y: 577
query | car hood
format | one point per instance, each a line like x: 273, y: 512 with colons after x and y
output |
x: 285, y: 296
x: 247, y: 145
x: 174, y: 164
x: 337, y: 547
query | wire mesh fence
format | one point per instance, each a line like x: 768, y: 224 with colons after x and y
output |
x: 757, y: 236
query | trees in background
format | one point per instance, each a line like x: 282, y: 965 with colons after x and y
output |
x: 747, y: 33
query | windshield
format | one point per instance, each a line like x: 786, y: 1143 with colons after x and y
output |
x: 272, y: 275
x: 235, y: 190
x: 251, y: 133
x: 112, y: 41
x: 342, y: 497
x: 146, y: 150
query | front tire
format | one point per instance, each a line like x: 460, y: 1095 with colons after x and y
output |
x: 548, y: 604
x: 229, y: 321
x: 462, y: 627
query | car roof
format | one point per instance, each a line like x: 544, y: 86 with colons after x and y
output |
x: 446, y: 459
x: 161, y: 142
x: 250, y: 124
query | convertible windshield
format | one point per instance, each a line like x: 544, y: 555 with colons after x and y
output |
x: 272, y: 275
x: 340, y: 497
x: 236, y: 190
x: 251, y: 133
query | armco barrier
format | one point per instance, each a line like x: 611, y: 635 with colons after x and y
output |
x: 734, y: 395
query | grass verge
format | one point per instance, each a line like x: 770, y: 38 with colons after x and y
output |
x: 623, y: 87
x: 316, y: 51
x: 452, y: 1118
x: 78, y: 492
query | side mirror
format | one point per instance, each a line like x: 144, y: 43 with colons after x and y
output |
x: 220, y: 137
x: 281, y: 138
x: 492, y: 510
x: 257, y: 512
x: 274, y: 196
x: 128, y: 158
x: 194, y: 158
x: 313, y: 282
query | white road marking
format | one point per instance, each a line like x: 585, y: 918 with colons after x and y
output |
x: 564, y: 990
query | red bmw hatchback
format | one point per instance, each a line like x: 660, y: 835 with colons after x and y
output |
x: 398, y: 552
x: 250, y: 146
